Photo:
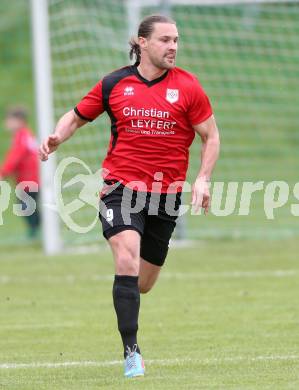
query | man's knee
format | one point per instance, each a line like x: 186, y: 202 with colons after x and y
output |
x: 126, y: 258
x: 148, y: 275
x: 145, y: 284
x: 126, y: 263
x: 144, y: 288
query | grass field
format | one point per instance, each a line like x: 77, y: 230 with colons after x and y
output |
x: 224, y: 315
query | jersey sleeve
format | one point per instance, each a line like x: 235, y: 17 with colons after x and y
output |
x: 200, y: 107
x: 91, y: 105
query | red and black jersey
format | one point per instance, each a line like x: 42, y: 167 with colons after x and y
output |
x: 151, y: 123
x: 21, y: 160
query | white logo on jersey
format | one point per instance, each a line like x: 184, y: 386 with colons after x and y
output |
x: 129, y: 91
x: 172, y: 95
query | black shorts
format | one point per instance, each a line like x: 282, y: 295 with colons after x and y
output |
x: 152, y: 215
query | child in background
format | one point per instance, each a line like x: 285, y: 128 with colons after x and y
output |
x: 21, y: 161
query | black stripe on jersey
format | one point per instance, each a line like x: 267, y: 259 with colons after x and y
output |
x: 108, y: 84
x: 149, y: 83
x: 82, y: 116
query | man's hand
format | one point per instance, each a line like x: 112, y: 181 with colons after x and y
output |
x: 65, y: 128
x: 49, y: 145
x: 201, y: 195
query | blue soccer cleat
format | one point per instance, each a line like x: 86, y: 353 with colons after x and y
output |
x: 134, y: 364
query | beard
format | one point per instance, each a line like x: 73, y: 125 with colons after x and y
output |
x: 164, y: 63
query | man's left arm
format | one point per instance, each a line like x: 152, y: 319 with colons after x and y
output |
x: 209, y: 134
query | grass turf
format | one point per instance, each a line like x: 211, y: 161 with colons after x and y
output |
x: 224, y: 315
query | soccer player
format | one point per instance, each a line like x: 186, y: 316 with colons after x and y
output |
x: 21, y: 161
x: 155, y: 109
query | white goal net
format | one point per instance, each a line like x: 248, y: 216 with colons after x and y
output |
x: 246, y: 55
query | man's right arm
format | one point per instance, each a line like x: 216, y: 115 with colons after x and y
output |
x: 65, y: 128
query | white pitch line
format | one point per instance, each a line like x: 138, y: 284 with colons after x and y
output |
x: 70, y: 279
x: 165, y: 362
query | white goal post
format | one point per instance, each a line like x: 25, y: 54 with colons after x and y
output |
x: 45, y: 121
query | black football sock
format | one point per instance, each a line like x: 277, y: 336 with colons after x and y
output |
x: 126, y: 299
